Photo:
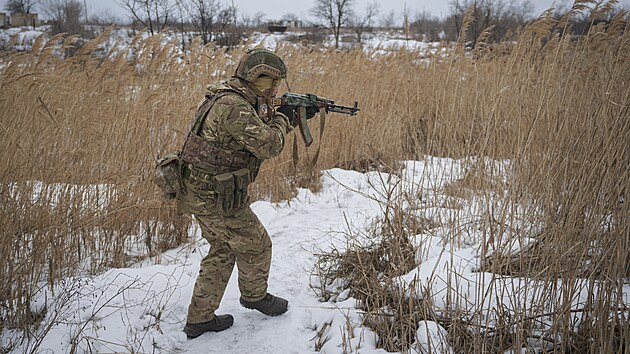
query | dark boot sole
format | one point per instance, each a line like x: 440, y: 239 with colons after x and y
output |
x: 198, y: 333
x: 210, y: 330
x: 272, y: 314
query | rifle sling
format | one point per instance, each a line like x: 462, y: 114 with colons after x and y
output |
x: 311, y: 164
x: 322, y: 124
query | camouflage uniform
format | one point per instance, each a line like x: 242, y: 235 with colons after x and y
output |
x: 246, y: 132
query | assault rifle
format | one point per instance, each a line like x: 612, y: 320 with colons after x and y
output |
x: 303, y: 101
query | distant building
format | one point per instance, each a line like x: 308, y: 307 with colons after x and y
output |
x: 4, y: 20
x: 283, y: 25
x: 20, y: 19
x: 348, y: 42
x: 275, y: 27
x: 292, y: 24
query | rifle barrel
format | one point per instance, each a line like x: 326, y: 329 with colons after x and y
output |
x: 343, y: 109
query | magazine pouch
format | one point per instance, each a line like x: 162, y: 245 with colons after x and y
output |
x: 167, y: 176
x: 241, y: 179
x: 224, y: 188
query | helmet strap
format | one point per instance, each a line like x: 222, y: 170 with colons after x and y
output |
x: 286, y: 83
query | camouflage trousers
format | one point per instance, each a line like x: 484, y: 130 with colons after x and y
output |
x: 237, y: 238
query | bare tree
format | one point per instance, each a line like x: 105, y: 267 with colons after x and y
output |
x: 259, y: 18
x: 106, y: 18
x: 206, y: 16
x: 504, y: 15
x: 335, y: 14
x: 246, y: 21
x: 362, y: 23
x: 227, y: 32
x: 389, y: 20
x: 253, y: 21
x: 152, y: 14
x: 66, y: 15
x: 427, y: 25
x: 20, y: 6
x: 290, y: 16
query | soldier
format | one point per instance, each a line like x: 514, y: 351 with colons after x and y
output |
x: 235, y: 129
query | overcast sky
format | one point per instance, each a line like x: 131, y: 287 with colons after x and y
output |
x: 275, y: 9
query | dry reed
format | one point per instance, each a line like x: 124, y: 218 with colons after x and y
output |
x: 80, y: 136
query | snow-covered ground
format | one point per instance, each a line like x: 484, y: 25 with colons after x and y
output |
x: 22, y: 39
x: 143, y: 308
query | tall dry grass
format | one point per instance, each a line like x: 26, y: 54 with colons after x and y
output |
x: 558, y: 108
x: 80, y: 136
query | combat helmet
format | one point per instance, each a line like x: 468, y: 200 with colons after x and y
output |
x: 257, y: 62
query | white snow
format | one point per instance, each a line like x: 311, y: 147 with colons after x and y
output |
x: 143, y: 308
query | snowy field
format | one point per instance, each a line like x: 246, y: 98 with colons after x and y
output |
x: 22, y: 39
x: 143, y: 308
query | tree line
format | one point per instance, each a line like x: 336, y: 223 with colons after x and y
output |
x: 218, y: 20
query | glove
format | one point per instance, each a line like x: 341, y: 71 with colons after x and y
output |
x: 289, y: 111
x: 311, y: 111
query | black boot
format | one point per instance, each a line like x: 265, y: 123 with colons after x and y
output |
x: 270, y: 305
x: 217, y: 324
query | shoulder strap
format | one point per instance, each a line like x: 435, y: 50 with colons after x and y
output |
x: 201, y: 114
x: 202, y: 111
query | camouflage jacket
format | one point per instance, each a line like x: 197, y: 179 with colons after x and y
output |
x: 232, y: 136
x: 233, y: 124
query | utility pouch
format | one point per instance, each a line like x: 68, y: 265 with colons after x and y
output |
x: 167, y: 176
x: 241, y: 179
x: 224, y: 187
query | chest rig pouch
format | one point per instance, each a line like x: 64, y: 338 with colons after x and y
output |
x: 231, y: 190
x: 232, y: 171
x: 167, y: 176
